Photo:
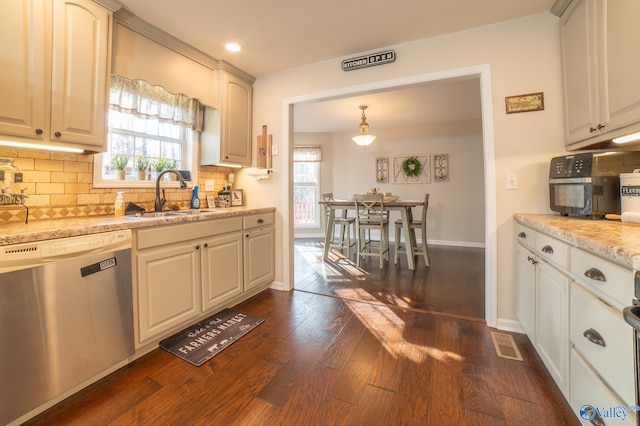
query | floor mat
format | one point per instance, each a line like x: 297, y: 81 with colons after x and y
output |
x: 202, y: 341
x: 505, y: 346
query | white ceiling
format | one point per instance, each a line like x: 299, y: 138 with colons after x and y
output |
x: 276, y: 35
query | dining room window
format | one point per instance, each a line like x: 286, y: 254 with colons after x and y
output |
x: 306, y: 186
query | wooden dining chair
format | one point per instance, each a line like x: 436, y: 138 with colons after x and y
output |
x: 415, y: 224
x: 370, y: 215
x: 347, y: 227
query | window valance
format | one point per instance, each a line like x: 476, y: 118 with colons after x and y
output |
x: 307, y: 154
x: 145, y: 100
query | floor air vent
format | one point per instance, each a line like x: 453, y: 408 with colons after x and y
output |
x: 505, y: 346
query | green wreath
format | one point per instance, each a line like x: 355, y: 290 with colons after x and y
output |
x: 411, y: 167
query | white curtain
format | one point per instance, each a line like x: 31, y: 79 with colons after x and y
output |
x: 144, y: 100
x: 307, y: 154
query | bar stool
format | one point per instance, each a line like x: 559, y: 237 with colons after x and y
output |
x: 347, y: 226
x: 370, y: 215
x: 415, y: 224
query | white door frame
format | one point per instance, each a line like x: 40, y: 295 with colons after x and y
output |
x: 483, y: 72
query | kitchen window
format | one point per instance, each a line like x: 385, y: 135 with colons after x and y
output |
x: 149, y: 129
x: 306, y: 186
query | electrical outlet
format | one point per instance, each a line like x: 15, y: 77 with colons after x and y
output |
x: 274, y: 150
x: 512, y: 180
x: 208, y: 185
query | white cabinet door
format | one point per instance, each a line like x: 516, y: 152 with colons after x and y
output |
x: 621, y: 62
x: 600, y: 67
x: 552, y: 323
x: 80, y: 71
x: 259, y: 259
x: 23, y: 82
x: 526, y: 308
x: 236, y: 120
x: 579, y: 71
x: 168, y: 288
x: 222, y: 272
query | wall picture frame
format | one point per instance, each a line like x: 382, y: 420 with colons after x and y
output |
x: 237, y: 198
x: 524, y: 103
x: 440, y: 167
x: 382, y: 170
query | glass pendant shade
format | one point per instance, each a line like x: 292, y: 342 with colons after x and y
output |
x: 364, y: 139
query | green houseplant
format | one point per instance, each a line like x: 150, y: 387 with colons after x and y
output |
x: 141, y: 164
x: 119, y: 163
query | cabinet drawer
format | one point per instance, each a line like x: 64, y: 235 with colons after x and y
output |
x: 613, y: 280
x: 257, y: 220
x: 525, y: 236
x: 614, y: 361
x: 169, y: 234
x: 587, y: 389
x: 552, y: 250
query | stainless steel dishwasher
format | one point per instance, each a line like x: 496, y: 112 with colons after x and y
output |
x: 65, y: 316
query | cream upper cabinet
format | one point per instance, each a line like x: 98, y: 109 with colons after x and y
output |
x: 226, y: 139
x: 23, y: 82
x: 54, y: 90
x: 600, y: 69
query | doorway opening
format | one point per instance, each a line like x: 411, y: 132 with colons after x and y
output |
x: 482, y: 73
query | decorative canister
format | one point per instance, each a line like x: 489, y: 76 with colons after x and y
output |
x: 224, y: 198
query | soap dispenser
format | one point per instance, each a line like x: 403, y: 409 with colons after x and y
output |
x: 195, y: 201
x: 119, y: 204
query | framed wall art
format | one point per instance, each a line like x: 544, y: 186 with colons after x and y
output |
x: 524, y: 103
x: 382, y: 170
x: 414, y: 168
x: 440, y: 167
x: 236, y: 197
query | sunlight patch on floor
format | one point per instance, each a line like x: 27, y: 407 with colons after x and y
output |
x: 389, y: 330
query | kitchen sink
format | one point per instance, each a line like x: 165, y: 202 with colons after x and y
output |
x: 172, y: 213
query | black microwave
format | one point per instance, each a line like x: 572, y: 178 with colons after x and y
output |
x: 587, y: 184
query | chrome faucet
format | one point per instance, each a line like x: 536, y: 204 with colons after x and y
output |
x: 159, y: 203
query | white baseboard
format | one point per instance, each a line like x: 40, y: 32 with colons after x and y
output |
x: 277, y: 285
x: 430, y: 242
x: 509, y: 325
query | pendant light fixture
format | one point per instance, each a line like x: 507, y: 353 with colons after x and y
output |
x: 364, y: 139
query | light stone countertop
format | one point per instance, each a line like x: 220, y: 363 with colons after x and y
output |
x: 610, y: 239
x: 38, y: 230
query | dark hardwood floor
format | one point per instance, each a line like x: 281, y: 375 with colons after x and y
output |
x: 453, y: 284
x: 320, y: 360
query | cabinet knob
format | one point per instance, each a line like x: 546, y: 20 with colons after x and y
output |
x: 522, y: 235
x: 592, y: 129
x: 197, y: 247
x: 57, y: 134
x: 547, y: 249
x: 595, y: 274
x: 39, y: 131
x: 206, y: 245
x: 532, y: 260
x: 600, y: 127
x: 260, y: 220
x: 593, y: 336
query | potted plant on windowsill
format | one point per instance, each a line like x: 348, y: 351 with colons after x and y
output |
x: 159, y: 165
x: 141, y: 164
x: 170, y: 164
x: 119, y: 163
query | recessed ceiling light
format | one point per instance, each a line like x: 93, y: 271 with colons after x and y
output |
x: 232, y: 47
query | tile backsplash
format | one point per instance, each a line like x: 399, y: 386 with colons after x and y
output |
x: 60, y: 185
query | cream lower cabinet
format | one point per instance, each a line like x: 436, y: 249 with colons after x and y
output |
x: 183, y: 272
x: 543, y: 299
x: 259, y: 249
x: 579, y: 331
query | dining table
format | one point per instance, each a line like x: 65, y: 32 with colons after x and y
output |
x: 403, y: 206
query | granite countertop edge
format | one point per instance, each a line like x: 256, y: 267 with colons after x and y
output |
x: 610, y: 239
x: 39, y: 230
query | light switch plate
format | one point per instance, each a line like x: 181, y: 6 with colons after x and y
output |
x: 208, y: 185
x: 511, y: 181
